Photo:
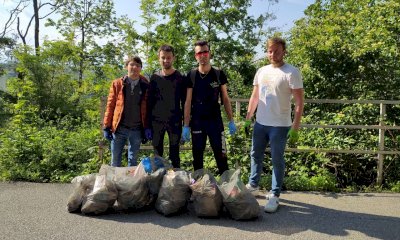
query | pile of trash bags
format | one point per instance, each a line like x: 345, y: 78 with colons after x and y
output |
x: 154, y: 184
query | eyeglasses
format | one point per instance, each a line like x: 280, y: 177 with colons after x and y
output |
x: 203, y: 53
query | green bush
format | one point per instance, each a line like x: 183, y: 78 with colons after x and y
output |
x: 395, y: 187
x: 47, y: 154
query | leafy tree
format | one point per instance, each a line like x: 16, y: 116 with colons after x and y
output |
x: 85, y: 21
x: 51, y: 77
x: 349, y: 43
x: 48, y: 137
x: 231, y: 32
x: 349, y: 50
x: 149, y: 19
x: 21, y: 7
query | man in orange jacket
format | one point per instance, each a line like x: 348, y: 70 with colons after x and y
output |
x: 125, y: 117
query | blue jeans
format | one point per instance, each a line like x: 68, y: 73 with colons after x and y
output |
x: 276, y: 137
x: 120, y: 137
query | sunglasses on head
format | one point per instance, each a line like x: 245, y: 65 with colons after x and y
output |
x: 202, y: 53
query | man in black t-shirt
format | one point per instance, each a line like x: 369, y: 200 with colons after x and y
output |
x: 166, y: 100
x: 202, y: 112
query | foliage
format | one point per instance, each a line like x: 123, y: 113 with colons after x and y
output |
x: 342, y: 43
x: 52, y: 130
x: 85, y: 22
x: 226, y: 25
x: 6, y: 46
x: 345, y: 49
x: 49, y: 77
x: 395, y: 187
x: 55, y: 152
x: 349, y: 50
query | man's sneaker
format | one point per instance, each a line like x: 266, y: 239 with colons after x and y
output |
x: 269, y: 195
x: 272, y: 204
x: 253, y: 190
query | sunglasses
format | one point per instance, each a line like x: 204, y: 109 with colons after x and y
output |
x: 203, y: 53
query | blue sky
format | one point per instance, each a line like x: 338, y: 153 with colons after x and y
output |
x: 286, y: 11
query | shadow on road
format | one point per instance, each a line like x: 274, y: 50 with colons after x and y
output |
x: 293, y: 217
x: 28, y: 209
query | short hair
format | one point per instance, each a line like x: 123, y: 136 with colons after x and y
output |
x: 133, y: 59
x: 277, y: 40
x: 167, y: 48
x: 201, y: 43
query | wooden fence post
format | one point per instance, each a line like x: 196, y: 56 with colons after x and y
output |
x: 102, y: 107
x: 381, y: 144
x: 237, y: 106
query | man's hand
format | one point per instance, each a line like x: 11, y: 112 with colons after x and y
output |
x: 148, y: 134
x: 186, y: 134
x: 293, y: 136
x: 107, y: 133
x: 247, y: 124
x: 232, y: 127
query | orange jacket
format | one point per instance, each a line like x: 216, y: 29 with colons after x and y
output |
x: 115, y: 103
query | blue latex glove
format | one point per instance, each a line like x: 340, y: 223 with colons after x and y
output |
x: 148, y: 134
x: 107, y: 133
x: 186, y: 134
x: 232, y: 127
x: 293, y: 136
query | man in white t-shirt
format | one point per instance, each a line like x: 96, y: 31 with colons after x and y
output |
x: 274, y: 86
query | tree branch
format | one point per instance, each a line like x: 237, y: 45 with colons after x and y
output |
x: 13, y: 16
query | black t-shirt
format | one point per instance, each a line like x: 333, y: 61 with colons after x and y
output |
x: 167, y: 97
x: 131, y: 114
x: 206, y: 93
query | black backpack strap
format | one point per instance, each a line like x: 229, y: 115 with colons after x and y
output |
x: 193, y: 76
x: 217, y: 73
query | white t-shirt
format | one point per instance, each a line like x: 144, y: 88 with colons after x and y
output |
x: 274, y: 86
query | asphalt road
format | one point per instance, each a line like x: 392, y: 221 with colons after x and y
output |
x: 38, y: 211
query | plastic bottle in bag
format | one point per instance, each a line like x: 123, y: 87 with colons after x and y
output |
x: 147, y: 165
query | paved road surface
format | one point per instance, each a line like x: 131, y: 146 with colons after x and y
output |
x: 38, y: 211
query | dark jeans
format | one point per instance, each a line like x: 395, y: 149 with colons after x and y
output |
x: 174, y: 131
x: 214, y: 129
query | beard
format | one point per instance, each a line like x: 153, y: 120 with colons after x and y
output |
x: 203, y: 62
x: 167, y: 66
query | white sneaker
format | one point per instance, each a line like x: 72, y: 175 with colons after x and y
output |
x: 253, y: 190
x: 269, y: 195
x: 272, y: 204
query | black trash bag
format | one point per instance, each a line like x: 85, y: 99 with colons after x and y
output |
x: 102, y: 197
x: 174, y: 192
x: 133, y: 192
x: 207, y: 198
x: 155, y: 167
x: 238, y: 200
x: 154, y: 181
x: 83, y: 185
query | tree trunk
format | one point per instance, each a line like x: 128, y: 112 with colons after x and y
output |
x: 36, y: 34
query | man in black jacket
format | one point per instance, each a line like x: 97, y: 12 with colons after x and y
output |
x: 166, y: 98
x: 205, y: 86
